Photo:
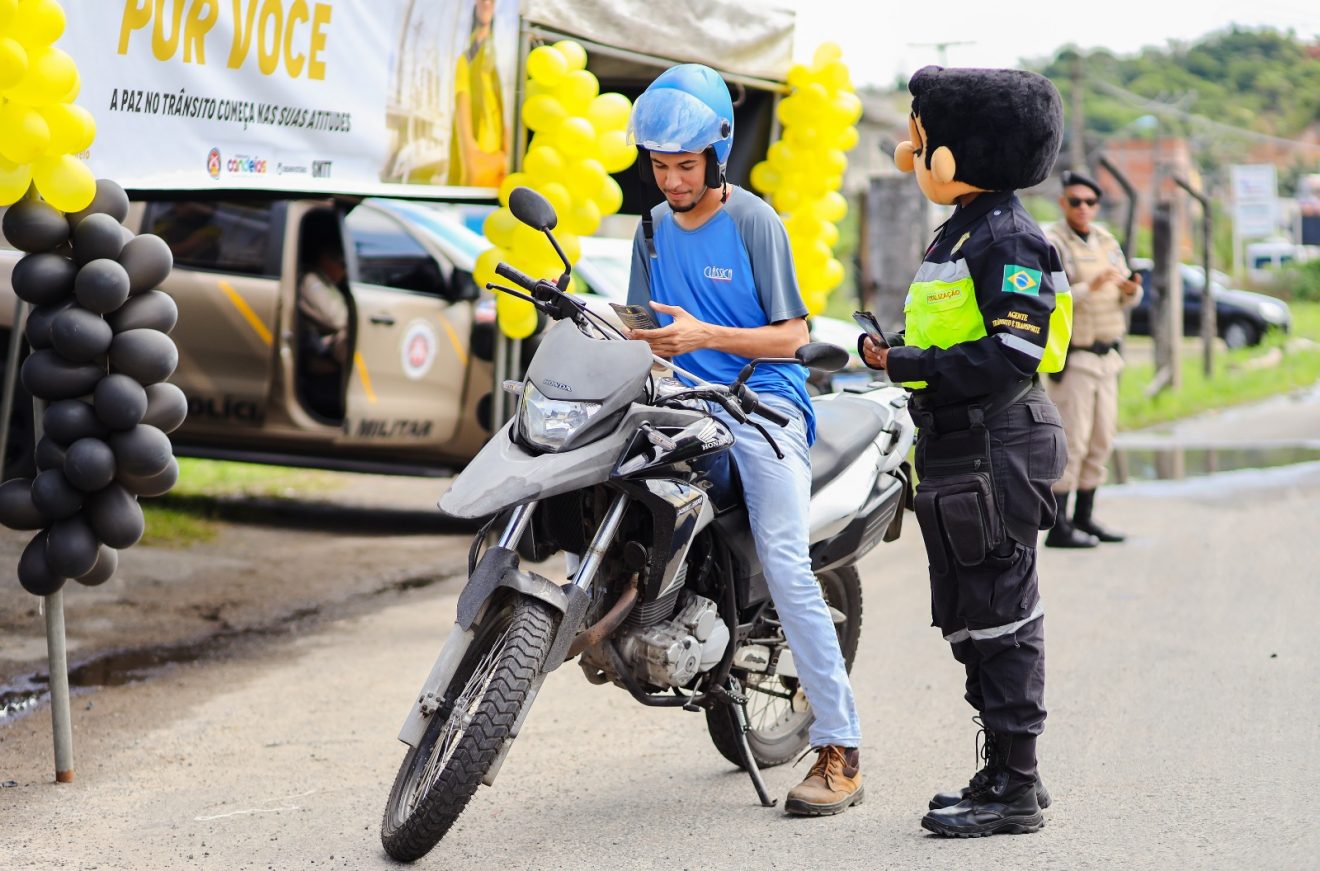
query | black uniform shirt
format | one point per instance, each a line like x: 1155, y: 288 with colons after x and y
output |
x: 998, y: 239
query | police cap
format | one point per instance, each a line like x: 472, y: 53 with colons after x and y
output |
x: 1070, y: 178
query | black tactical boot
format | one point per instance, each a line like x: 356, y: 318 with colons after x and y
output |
x: 1082, y: 518
x: 1063, y: 533
x: 985, y: 753
x: 1002, y: 802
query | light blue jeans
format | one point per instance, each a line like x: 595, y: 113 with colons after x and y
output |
x: 778, y: 493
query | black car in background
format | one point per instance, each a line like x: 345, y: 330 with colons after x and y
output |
x: 1242, y: 318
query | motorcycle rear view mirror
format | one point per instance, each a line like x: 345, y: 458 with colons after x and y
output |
x: 532, y: 209
x: 822, y: 356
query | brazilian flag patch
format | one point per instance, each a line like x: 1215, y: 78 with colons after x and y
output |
x: 1020, y: 279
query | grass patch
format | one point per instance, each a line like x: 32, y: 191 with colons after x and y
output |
x: 1236, y: 380
x: 192, y: 511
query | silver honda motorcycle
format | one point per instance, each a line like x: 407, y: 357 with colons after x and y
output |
x: 624, y: 468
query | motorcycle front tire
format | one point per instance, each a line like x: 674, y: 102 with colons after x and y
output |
x: 463, y: 739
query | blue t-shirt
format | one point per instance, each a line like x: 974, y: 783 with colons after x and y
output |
x: 735, y: 270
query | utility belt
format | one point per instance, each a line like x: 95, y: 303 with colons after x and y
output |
x: 938, y: 420
x: 1099, y: 348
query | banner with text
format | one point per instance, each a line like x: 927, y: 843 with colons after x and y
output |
x: 391, y: 97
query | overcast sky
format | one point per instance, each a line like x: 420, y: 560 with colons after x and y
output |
x: 882, y: 40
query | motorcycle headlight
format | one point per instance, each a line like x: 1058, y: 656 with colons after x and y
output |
x: 548, y: 423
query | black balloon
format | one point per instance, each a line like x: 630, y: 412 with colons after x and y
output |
x: 17, y: 510
x: 101, y: 286
x: 151, y: 485
x: 115, y: 516
x: 167, y: 407
x: 31, y: 225
x: 148, y: 261
x: 149, y: 310
x: 49, y: 454
x: 71, y: 547
x: 120, y: 402
x: 147, y: 356
x: 141, y: 451
x: 47, y: 375
x: 54, y: 496
x: 68, y: 420
x: 110, y: 199
x: 89, y: 464
x: 107, y: 560
x: 34, y: 572
x: 80, y: 335
x: 44, y: 279
x: 97, y: 236
x: 39, y: 320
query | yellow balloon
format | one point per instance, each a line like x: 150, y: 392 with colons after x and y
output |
x: 574, y: 53
x: 787, y: 199
x: 72, y: 128
x: 847, y: 140
x: 511, y: 181
x: 499, y: 226
x: 829, y: 234
x: 802, y: 137
x: 51, y: 74
x: 544, y: 164
x: 847, y: 107
x: 576, y: 137
x: 615, y: 152
x: 797, y: 76
x: 543, y: 112
x: 609, y: 112
x: 483, y: 272
x: 584, y: 178
x: 13, y: 63
x: 7, y: 8
x: 15, y: 179
x: 610, y: 198
x: 37, y: 22
x: 833, y: 274
x: 790, y: 112
x: 572, y: 246
x: 765, y: 178
x: 531, y: 246
x: 583, y: 218
x: 65, y: 182
x: 576, y: 90
x: 832, y: 207
x: 516, y: 317
x: 558, y: 196
x: 546, y: 66
x: 835, y: 77
x: 782, y: 157
x: 24, y: 134
x: 832, y: 162
x: 826, y: 53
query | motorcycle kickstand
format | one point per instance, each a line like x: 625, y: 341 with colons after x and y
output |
x: 737, y: 702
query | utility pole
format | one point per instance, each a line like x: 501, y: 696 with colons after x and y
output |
x: 1077, y: 147
x: 941, y: 47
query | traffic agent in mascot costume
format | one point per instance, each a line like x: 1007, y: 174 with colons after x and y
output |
x: 988, y: 311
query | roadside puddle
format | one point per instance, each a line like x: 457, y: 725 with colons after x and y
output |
x: 1176, y: 463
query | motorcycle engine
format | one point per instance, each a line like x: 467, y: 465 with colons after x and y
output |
x: 669, y: 653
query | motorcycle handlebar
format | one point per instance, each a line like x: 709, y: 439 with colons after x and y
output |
x: 504, y: 270
x: 751, y: 403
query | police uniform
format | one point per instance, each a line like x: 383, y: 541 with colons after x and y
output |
x: 989, y: 309
x: 1086, y: 392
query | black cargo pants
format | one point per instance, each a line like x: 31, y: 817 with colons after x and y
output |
x: 983, y: 494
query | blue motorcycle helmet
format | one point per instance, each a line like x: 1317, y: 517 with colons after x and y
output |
x: 687, y: 109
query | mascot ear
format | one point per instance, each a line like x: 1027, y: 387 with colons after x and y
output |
x: 942, y: 165
x: 903, y: 156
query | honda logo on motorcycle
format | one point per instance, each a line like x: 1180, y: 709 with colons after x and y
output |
x: 558, y: 385
x: 719, y: 273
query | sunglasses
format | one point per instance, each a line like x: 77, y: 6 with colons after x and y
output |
x: 1078, y: 201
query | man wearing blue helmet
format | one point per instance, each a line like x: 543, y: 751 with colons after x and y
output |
x: 713, y: 261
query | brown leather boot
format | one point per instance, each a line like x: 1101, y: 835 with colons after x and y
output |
x: 833, y: 784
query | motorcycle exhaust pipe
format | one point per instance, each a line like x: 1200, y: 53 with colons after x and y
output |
x: 605, y: 626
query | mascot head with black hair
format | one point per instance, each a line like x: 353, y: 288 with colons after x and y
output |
x: 977, y: 130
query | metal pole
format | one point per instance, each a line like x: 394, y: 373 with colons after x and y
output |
x: 61, y: 723
x: 11, y: 377
x: 1208, y: 326
x: 501, y: 369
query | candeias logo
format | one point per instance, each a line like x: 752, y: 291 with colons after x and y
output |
x: 213, y: 163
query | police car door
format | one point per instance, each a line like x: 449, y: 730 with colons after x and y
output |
x: 410, y: 347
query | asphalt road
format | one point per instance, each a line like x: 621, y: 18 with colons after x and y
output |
x: 1184, y: 730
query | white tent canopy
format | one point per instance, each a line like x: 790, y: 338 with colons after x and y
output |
x: 752, y: 40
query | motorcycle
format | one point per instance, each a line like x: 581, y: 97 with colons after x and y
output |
x: 629, y: 474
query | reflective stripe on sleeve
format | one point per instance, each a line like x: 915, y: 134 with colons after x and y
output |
x: 1021, y: 345
x: 949, y: 270
x: 1062, y: 287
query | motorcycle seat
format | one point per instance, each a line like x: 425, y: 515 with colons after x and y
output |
x: 845, y: 425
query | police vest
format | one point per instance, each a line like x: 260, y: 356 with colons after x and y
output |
x: 941, y: 311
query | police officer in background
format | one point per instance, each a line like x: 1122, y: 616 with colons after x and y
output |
x: 989, y: 309
x: 1086, y: 391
